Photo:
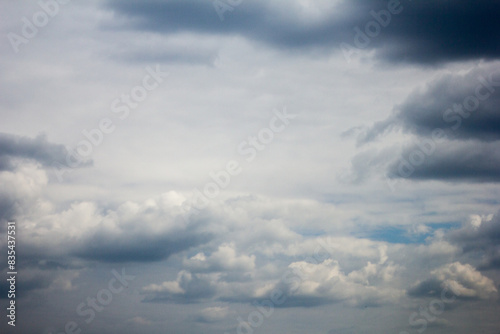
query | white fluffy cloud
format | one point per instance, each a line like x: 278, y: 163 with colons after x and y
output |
x: 224, y: 259
x: 21, y: 192
x: 325, y: 282
x: 462, y: 279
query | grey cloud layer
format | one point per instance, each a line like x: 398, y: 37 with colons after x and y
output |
x: 422, y: 32
x: 450, y: 161
x: 37, y: 149
x: 446, y: 104
x: 456, y: 124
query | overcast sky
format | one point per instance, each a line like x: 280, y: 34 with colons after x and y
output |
x: 251, y: 166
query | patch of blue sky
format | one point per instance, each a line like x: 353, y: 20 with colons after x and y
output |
x: 403, y: 235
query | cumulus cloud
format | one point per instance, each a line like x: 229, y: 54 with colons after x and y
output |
x: 462, y: 279
x: 312, y: 284
x: 21, y: 192
x: 222, y: 272
x: 301, y: 283
x: 224, y: 259
x: 148, y: 231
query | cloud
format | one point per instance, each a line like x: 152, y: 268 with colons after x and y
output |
x: 256, y: 20
x: 285, y: 224
x: 439, y: 31
x: 224, y: 259
x: 143, y: 232
x: 481, y: 234
x: 421, y: 32
x: 25, y: 286
x: 462, y: 279
x: 37, y: 279
x: 146, y: 232
x: 187, y: 288
x: 14, y: 148
x: 20, y: 192
x: 185, y: 48
x: 462, y: 105
x: 449, y: 161
x: 455, y: 123
x: 311, y: 284
x: 220, y: 276
x: 212, y: 314
x: 205, y: 275
x: 139, y: 322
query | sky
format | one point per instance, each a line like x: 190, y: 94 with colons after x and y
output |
x: 250, y: 166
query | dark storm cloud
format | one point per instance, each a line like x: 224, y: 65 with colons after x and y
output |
x: 456, y: 121
x: 464, y: 106
x: 25, y: 285
x: 439, y: 31
x: 38, y: 149
x: 255, y: 20
x: 137, y: 248
x: 449, y: 161
x: 7, y: 210
x: 418, y: 31
x: 428, y: 288
x: 483, y: 239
